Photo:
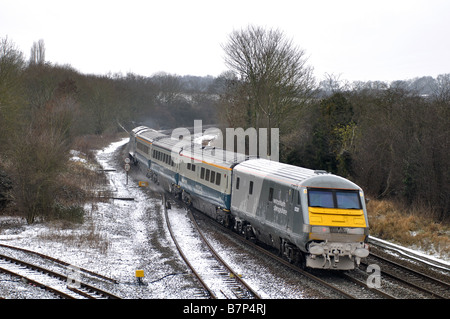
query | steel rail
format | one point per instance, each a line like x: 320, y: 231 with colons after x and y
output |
x: 51, y: 273
x: 283, y: 261
x: 37, y: 284
x: 183, y: 256
x: 59, y: 262
x: 416, y: 273
x: 235, y: 275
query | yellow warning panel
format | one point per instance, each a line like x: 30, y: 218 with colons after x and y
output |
x: 337, y: 217
x: 140, y: 273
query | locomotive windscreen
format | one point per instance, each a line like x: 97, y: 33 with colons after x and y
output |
x: 334, y: 199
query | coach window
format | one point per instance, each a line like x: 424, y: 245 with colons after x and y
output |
x: 189, y: 166
x: 213, y: 177
x: 207, y: 175
x: 218, y: 176
x: 202, y: 173
x: 250, y: 188
x: 193, y: 167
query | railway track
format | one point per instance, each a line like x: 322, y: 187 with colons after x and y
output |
x: 67, y: 286
x: 353, y: 284
x: 214, y: 274
x: 334, y: 288
x: 426, y: 285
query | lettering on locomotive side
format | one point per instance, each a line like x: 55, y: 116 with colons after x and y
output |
x: 280, y: 210
x: 279, y: 202
x: 279, y: 206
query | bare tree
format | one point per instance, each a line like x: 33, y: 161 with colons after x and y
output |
x: 274, y: 74
x: 12, y: 64
x: 169, y: 86
x: 441, y: 89
x: 37, y: 54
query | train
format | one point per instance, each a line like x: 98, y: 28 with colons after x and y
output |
x: 313, y: 218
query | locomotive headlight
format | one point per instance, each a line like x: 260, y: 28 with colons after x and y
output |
x: 355, y: 231
x: 320, y: 229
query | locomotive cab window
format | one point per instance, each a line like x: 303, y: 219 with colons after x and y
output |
x: 348, y: 200
x: 334, y: 199
x: 250, y: 188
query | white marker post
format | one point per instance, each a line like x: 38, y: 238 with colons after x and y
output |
x: 127, y: 166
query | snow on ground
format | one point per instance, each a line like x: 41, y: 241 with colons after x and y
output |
x: 125, y: 236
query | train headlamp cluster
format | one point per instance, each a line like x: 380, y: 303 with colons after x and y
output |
x: 320, y: 229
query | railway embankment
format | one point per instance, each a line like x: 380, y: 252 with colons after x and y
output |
x: 413, y: 228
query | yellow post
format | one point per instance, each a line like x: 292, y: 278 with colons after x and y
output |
x: 139, y: 275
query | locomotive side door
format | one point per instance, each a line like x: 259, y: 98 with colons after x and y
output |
x: 297, y: 217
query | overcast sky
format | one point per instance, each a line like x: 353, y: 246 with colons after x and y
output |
x: 359, y: 40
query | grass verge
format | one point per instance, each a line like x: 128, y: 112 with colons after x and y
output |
x: 409, y: 227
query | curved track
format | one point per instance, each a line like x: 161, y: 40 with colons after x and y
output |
x: 429, y: 286
x: 63, y: 286
x: 214, y: 274
x: 353, y: 284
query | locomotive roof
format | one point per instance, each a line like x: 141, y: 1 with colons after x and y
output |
x: 293, y: 175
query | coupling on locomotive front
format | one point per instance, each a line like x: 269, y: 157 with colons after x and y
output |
x: 314, y: 218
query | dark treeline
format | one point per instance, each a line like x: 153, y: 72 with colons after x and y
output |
x: 390, y: 138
